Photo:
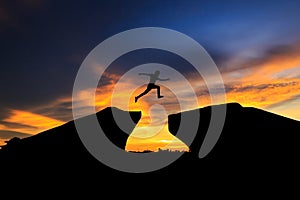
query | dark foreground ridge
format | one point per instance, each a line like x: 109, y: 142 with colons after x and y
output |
x: 248, y: 133
x: 61, y: 149
x: 253, y: 144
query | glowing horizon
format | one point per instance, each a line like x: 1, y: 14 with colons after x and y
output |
x: 272, y: 85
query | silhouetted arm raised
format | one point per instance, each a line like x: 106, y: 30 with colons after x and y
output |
x: 146, y: 74
x: 163, y: 79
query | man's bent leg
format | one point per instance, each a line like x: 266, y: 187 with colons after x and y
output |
x: 158, y: 91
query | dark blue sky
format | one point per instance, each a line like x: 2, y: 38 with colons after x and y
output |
x: 43, y: 42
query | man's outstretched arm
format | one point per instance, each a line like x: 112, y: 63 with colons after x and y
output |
x: 163, y: 79
x: 146, y: 74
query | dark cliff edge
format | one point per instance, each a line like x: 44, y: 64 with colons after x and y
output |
x: 254, y: 144
x: 247, y: 132
x: 61, y: 148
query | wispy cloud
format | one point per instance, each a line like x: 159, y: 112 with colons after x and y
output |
x: 262, y: 63
x: 263, y: 95
x: 268, y: 79
x: 27, y: 122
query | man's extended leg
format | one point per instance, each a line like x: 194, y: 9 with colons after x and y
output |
x: 142, y: 94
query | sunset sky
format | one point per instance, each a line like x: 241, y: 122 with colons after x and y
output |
x: 255, y: 45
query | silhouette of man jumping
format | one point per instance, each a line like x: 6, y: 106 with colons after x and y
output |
x: 151, y: 85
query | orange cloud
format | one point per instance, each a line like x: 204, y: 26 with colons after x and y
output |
x: 268, y: 83
x: 262, y: 95
x: 32, y: 123
x: 273, y: 67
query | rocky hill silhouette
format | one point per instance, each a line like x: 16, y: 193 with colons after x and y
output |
x: 60, y: 148
x: 253, y: 144
x: 248, y: 133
